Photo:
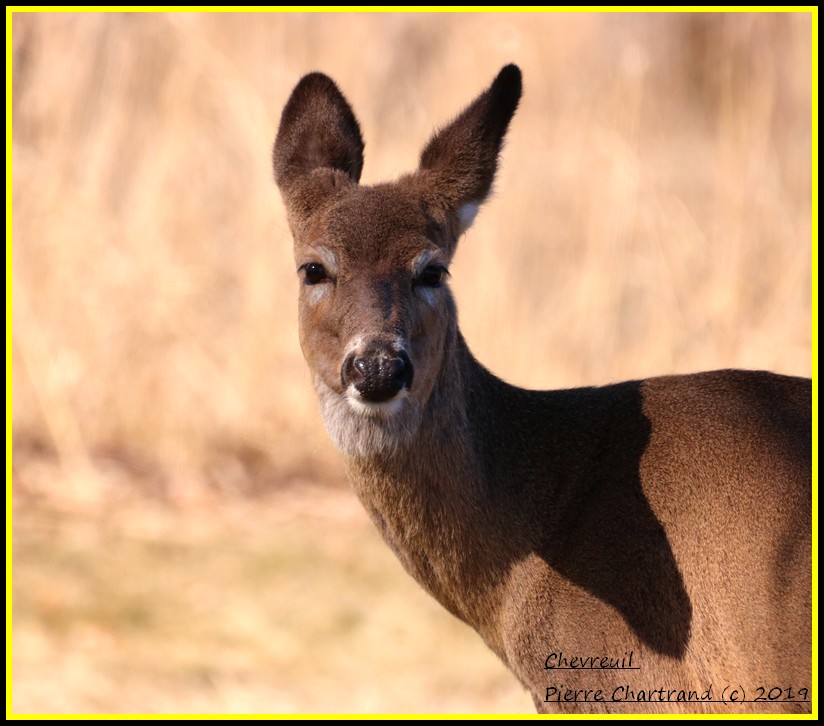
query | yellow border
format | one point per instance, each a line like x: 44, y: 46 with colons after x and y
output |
x: 420, y: 9
x: 814, y: 299
x: 9, y: 55
x: 10, y: 10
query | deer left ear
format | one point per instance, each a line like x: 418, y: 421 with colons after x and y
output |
x: 318, y: 148
x: 458, y: 165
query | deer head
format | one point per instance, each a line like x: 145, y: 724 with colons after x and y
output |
x: 377, y: 319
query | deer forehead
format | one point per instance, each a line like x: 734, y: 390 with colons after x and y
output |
x: 380, y: 229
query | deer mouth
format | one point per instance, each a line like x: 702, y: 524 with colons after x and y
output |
x: 379, y: 409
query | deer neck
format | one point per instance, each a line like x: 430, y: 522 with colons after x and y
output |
x: 435, y: 504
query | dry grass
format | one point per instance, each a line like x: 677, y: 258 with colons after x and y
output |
x: 652, y: 216
x: 239, y: 611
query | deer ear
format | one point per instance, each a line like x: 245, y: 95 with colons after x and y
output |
x: 458, y: 164
x: 319, y: 145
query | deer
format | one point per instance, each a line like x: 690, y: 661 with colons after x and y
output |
x: 642, y: 546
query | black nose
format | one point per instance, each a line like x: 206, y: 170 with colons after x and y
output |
x: 377, y: 375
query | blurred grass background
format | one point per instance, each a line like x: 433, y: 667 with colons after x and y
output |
x: 183, y: 537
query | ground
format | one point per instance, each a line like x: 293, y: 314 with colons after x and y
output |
x: 287, y: 603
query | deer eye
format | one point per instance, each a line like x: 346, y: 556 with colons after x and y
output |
x: 432, y: 276
x: 313, y: 273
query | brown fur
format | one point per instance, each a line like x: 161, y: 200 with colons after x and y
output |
x: 669, y: 518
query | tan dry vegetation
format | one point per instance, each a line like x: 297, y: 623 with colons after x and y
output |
x: 652, y: 215
x: 144, y: 610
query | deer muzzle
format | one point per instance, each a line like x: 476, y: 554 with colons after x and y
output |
x: 378, y: 373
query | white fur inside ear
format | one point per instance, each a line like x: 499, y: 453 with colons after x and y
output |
x: 467, y: 214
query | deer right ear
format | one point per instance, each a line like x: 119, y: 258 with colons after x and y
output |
x: 318, y: 146
x: 458, y: 164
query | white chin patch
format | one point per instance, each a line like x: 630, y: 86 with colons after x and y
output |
x: 383, y: 409
x: 363, y: 429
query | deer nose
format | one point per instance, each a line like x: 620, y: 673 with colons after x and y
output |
x: 378, y: 375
